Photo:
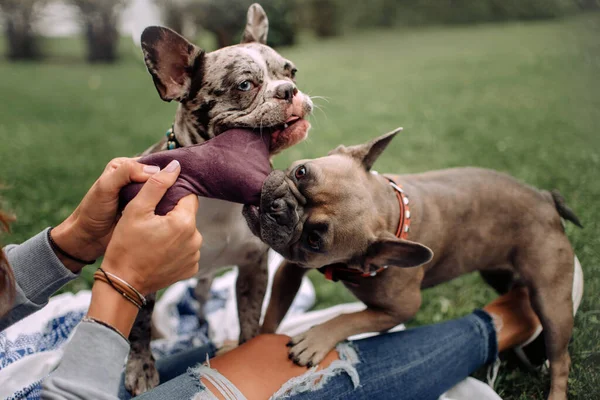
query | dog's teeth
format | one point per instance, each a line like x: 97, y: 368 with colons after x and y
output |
x: 285, y: 126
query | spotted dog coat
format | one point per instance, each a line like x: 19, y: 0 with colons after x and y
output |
x: 243, y: 86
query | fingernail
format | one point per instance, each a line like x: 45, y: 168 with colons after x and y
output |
x: 173, y: 165
x: 151, y: 169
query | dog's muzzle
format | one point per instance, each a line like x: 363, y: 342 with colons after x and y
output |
x: 276, y: 221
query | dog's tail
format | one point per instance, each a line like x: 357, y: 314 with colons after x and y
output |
x: 563, y: 209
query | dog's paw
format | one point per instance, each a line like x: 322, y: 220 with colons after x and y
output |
x: 140, y: 374
x: 309, y: 348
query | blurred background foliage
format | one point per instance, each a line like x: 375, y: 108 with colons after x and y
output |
x: 223, y: 19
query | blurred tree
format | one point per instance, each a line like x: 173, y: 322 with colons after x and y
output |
x: 19, y: 20
x: 283, y: 21
x: 387, y: 14
x: 589, y: 4
x: 174, y: 13
x: 100, y: 20
x: 329, y: 17
x: 324, y: 16
x: 227, y: 18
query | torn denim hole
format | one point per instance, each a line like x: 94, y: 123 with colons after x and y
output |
x: 222, y: 384
x: 313, y: 380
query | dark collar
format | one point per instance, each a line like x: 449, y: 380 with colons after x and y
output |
x: 172, y: 142
x: 338, y: 272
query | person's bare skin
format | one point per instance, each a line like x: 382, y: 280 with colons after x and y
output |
x: 249, y: 365
x: 147, y: 262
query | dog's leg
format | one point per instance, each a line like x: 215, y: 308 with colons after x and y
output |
x: 202, y: 293
x: 286, y: 283
x: 548, y: 271
x: 310, y: 347
x: 140, y: 373
x: 250, y: 288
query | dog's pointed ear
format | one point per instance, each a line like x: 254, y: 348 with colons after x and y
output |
x: 367, y: 153
x: 257, y: 25
x: 397, y: 252
x: 174, y: 63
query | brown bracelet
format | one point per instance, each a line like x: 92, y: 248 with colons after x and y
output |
x: 119, y: 290
x: 121, y: 286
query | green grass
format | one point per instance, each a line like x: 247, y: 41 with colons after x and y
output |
x: 522, y: 98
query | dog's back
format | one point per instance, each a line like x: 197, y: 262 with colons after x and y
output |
x: 478, y: 219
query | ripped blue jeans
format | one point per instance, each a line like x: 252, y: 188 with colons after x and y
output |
x: 420, y: 363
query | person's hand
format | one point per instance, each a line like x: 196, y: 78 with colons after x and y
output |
x: 149, y: 251
x: 87, y: 231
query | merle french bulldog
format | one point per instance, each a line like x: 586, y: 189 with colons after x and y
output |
x: 248, y: 85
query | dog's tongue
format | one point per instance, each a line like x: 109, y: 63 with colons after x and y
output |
x: 232, y: 166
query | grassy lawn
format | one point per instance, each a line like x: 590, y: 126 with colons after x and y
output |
x: 520, y: 98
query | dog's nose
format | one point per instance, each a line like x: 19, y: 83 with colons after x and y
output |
x: 286, y: 91
x: 278, y: 205
x: 281, y: 212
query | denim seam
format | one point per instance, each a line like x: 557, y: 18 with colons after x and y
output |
x: 485, y: 325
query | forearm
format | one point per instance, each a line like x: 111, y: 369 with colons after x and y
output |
x: 112, y: 308
x: 91, y: 366
x: 38, y: 274
x: 93, y: 360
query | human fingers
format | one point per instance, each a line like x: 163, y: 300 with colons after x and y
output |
x: 122, y: 171
x: 155, y: 188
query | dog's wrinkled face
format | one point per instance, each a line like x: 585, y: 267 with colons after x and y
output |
x: 324, y: 211
x: 243, y: 86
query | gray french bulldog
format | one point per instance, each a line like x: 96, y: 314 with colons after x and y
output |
x: 248, y: 85
x: 334, y: 214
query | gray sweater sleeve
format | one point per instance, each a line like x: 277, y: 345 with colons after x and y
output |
x: 93, y: 359
x: 91, y: 366
x: 38, y: 274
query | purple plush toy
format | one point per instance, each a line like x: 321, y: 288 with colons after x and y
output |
x: 232, y: 166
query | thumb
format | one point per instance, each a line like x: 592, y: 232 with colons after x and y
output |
x: 122, y: 171
x: 188, y: 204
x: 155, y: 188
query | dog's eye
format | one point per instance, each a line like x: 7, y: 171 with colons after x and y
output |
x: 314, y: 241
x: 294, y: 71
x: 245, y: 86
x: 300, y: 172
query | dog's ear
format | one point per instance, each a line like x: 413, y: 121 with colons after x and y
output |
x: 397, y: 252
x: 174, y: 63
x: 257, y: 25
x: 367, y: 153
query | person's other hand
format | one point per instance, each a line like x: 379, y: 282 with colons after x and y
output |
x: 87, y: 231
x: 149, y: 251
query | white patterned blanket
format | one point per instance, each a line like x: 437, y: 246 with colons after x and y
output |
x: 30, y: 349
